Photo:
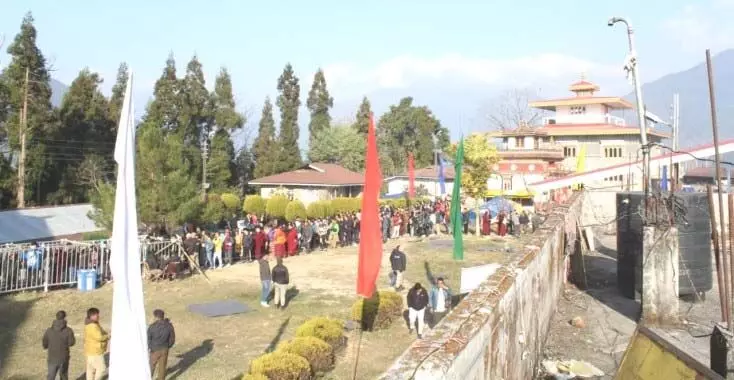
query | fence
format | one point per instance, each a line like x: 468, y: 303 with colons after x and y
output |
x: 55, y: 264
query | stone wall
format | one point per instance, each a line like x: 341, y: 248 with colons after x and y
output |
x: 498, y: 331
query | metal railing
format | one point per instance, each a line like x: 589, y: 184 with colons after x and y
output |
x: 56, y: 264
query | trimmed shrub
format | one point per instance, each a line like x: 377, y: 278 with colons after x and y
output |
x: 329, y: 330
x: 281, y: 366
x: 231, y: 201
x: 294, y: 210
x: 318, y: 210
x: 276, y: 206
x: 254, y: 204
x: 356, y: 204
x: 320, y: 355
x: 214, y: 209
x: 255, y: 376
x: 378, y: 312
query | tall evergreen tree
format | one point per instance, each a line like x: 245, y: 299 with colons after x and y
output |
x: 319, y: 103
x: 265, y: 150
x: 288, y: 102
x: 118, y: 94
x: 165, y: 108
x: 27, y: 57
x: 244, y: 170
x: 85, y: 135
x: 362, y: 122
x: 196, y: 114
x: 221, y: 165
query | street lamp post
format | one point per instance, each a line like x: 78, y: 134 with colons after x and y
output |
x: 633, y: 66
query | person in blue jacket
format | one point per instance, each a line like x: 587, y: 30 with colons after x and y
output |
x: 33, y: 258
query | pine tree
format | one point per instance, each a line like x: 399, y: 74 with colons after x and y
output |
x: 288, y: 102
x: 265, y: 150
x: 319, y: 103
x: 165, y: 108
x: 87, y: 135
x: 362, y: 122
x: 196, y: 113
x: 244, y: 169
x: 221, y: 165
x: 118, y: 94
x: 26, y: 57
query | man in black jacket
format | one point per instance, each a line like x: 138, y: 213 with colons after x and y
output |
x: 281, y: 279
x: 417, y: 302
x: 161, y: 337
x: 57, y: 340
x: 398, y: 262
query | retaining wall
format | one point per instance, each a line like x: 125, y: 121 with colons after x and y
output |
x: 498, y: 331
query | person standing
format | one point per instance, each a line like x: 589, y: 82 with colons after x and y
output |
x: 292, y: 240
x: 281, y: 279
x: 259, y: 242
x: 57, y: 340
x: 398, y: 263
x: 440, y: 299
x: 95, y: 346
x: 218, y: 243
x: 417, y: 302
x: 280, y: 241
x: 228, y: 244
x: 265, y: 279
x: 161, y: 337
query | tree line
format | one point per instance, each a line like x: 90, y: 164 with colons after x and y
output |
x: 184, y: 138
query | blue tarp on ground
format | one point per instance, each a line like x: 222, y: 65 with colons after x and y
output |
x: 219, y: 308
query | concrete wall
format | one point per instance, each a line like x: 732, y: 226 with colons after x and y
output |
x: 498, y: 331
x: 600, y: 210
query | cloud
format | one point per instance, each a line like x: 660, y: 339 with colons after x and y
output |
x: 404, y: 71
x: 706, y: 25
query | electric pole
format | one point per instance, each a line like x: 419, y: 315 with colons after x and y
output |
x: 676, y: 136
x: 204, y: 155
x: 23, y: 129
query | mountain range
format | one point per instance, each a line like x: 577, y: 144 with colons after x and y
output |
x: 690, y: 84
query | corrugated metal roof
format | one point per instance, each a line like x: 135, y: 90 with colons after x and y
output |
x: 45, y: 222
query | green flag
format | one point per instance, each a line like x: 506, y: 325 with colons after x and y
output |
x: 457, y: 224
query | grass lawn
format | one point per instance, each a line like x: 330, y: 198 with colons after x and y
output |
x: 221, y: 348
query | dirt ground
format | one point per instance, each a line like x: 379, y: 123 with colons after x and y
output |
x: 609, y: 319
x: 221, y: 348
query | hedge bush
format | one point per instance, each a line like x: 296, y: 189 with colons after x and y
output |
x: 329, y: 330
x: 255, y: 376
x: 294, y: 210
x: 320, y: 355
x: 281, y: 365
x: 378, y: 312
x: 230, y: 200
x: 276, y: 206
x: 254, y: 204
x: 316, y: 210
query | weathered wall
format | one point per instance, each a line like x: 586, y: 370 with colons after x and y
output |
x: 497, y: 332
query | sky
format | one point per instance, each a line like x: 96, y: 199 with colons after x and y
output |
x: 453, y: 56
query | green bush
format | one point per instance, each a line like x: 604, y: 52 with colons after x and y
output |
x: 276, y: 206
x: 214, y: 209
x: 320, y: 355
x: 255, y: 376
x: 281, y: 366
x: 294, y: 210
x: 254, y: 204
x: 317, y: 210
x: 329, y: 330
x: 378, y: 312
x: 230, y: 200
x: 96, y: 235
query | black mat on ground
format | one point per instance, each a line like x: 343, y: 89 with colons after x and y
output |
x: 219, y: 308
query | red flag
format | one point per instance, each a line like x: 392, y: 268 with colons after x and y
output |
x: 411, y: 176
x: 370, y: 239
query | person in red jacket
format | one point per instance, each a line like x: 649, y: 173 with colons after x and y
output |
x: 259, y: 241
x: 292, y: 240
x: 279, y: 242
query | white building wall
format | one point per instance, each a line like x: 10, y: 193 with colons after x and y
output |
x: 399, y: 185
x: 305, y: 195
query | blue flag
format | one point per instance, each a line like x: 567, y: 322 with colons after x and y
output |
x: 441, y: 177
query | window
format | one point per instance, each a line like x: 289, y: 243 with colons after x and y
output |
x: 612, y: 152
x: 569, y: 151
x: 519, y: 142
x: 616, y: 178
x: 578, y: 110
x: 507, y: 183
